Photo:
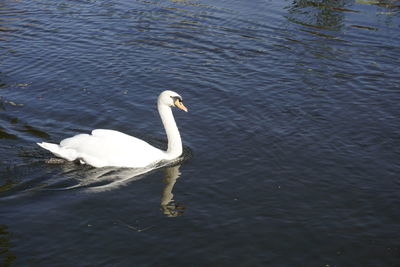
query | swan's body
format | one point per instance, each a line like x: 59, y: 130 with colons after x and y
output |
x: 111, y: 148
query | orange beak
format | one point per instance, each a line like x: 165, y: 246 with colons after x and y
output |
x: 180, y: 105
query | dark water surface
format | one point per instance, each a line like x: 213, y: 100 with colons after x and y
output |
x: 292, y: 137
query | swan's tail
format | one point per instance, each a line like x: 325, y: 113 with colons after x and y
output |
x: 53, y: 148
x: 65, y: 153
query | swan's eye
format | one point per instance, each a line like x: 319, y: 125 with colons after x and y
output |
x: 176, y: 98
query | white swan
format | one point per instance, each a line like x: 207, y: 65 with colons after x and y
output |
x: 115, y: 149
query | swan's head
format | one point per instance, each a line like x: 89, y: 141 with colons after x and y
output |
x: 171, y: 99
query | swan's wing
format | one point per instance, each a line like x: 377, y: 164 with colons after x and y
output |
x: 105, y: 133
x: 112, y: 148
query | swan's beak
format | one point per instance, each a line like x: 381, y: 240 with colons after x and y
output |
x: 180, y: 105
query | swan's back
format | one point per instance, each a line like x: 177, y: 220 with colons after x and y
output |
x: 109, y: 148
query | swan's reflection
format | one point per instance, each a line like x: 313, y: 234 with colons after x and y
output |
x: 104, y: 179
x: 168, y: 204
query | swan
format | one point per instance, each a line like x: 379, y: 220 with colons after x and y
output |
x: 110, y: 148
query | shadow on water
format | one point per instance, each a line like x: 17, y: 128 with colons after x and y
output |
x: 327, y: 18
x: 323, y: 19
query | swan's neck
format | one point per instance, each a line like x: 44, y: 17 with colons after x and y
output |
x: 174, y: 138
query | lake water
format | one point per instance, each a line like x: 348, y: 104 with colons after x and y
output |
x: 292, y: 139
